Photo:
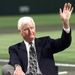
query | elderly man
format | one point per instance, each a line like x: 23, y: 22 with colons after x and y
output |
x: 20, y: 62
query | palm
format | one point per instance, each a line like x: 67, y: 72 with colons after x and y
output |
x: 65, y: 15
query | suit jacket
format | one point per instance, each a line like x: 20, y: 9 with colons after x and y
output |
x: 45, y: 47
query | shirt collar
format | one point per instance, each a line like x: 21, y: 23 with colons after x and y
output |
x: 33, y: 42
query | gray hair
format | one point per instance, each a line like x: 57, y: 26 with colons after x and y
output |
x: 24, y: 21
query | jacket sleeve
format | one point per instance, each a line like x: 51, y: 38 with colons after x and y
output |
x: 14, y: 59
x: 62, y: 43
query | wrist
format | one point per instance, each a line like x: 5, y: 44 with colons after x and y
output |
x: 66, y: 24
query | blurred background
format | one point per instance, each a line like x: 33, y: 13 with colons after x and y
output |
x: 46, y: 16
x: 17, y: 7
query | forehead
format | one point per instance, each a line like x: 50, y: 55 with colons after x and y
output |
x: 27, y: 25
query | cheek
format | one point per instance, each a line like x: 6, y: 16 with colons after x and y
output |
x: 34, y: 33
x: 24, y: 34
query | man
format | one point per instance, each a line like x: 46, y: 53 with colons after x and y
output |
x: 44, y: 46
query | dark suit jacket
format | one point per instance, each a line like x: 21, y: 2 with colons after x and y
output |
x: 45, y: 47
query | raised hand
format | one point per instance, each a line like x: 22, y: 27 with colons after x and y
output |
x: 65, y: 14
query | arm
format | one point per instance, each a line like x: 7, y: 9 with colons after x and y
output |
x: 66, y: 14
x: 65, y: 40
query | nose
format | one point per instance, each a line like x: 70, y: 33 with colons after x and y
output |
x: 30, y: 30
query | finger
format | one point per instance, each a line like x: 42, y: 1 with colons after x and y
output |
x: 71, y: 10
x: 60, y: 11
x: 65, y: 6
x: 69, y: 6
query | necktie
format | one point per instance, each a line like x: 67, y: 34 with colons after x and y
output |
x: 32, y: 61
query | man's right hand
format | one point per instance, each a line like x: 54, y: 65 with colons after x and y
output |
x: 18, y: 70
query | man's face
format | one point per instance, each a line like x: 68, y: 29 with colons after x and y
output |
x: 28, y: 32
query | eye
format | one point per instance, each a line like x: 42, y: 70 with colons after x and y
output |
x: 25, y: 29
x: 31, y: 27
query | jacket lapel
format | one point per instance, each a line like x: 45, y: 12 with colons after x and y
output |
x: 24, y: 54
x: 38, y: 49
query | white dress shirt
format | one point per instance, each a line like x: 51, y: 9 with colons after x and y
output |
x: 67, y: 30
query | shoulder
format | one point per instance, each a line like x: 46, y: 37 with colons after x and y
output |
x: 44, y: 37
x: 17, y: 45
